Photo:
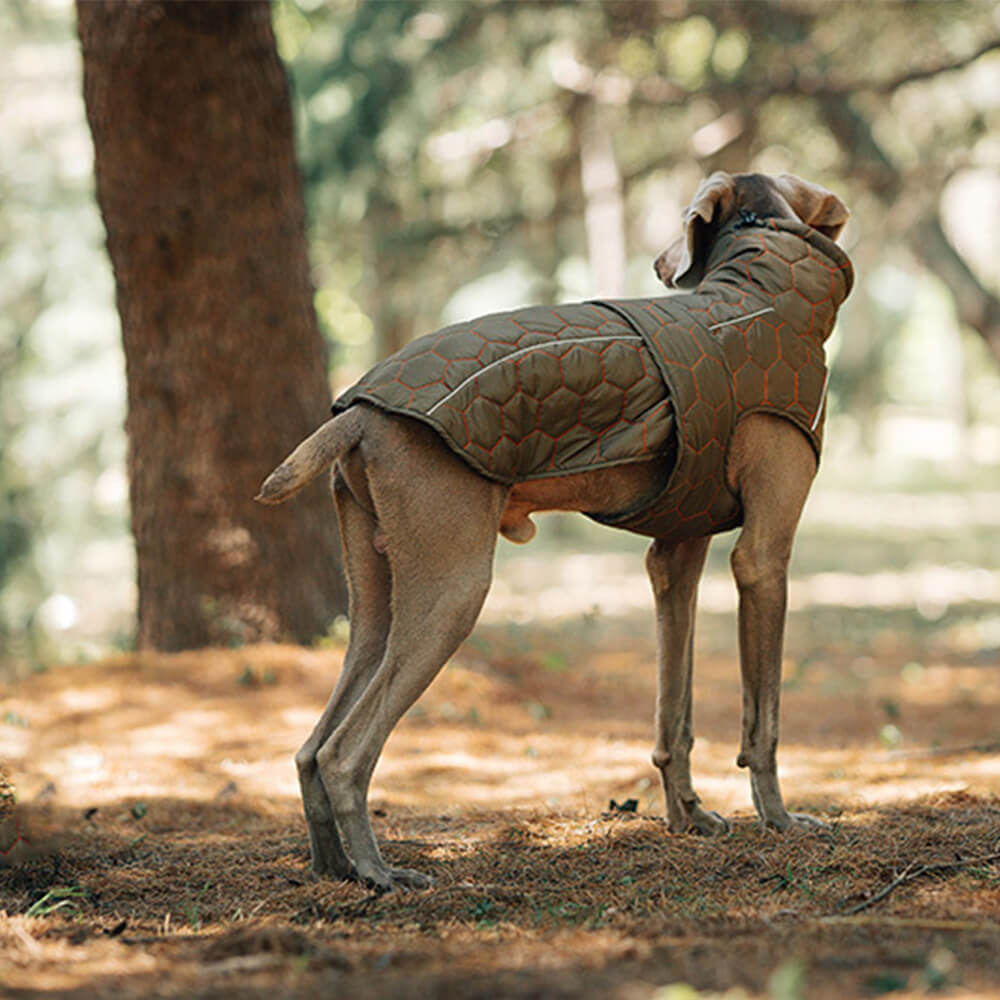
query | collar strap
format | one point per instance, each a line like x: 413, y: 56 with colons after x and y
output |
x: 747, y: 219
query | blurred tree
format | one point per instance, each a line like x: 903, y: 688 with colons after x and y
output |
x: 196, y: 180
x: 18, y: 521
x: 442, y: 140
x: 442, y: 144
x: 60, y: 355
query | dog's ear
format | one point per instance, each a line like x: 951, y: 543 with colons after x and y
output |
x: 813, y: 204
x: 683, y: 264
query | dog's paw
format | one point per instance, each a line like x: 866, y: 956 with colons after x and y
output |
x: 389, y: 879
x: 408, y: 878
x: 808, y: 823
x: 708, y: 823
x: 704, y: 822
x: 333, y: 864
x: 798, y: 822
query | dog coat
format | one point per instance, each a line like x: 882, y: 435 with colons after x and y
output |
x: 552, y: 391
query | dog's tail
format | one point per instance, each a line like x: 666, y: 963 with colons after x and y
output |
x: 335, y: 438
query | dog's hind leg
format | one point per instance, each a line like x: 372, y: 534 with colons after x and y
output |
x: 427, y: 627
x: 441, y: 565
x: 674, y: 571
x: 367, y: 573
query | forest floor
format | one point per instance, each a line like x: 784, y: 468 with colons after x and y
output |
x: 157, y: 847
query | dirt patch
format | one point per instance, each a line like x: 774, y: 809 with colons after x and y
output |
x: 158, y: 847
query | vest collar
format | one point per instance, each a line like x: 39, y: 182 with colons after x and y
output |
x: 746, y: 222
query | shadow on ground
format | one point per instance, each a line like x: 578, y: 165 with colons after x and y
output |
x: 158, y: 847
x: 193, y: 898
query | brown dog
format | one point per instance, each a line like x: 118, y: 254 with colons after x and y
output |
x: 742, y: 390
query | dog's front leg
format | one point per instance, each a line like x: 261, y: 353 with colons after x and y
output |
x: 774, y: 483
x: 674, y: 571
x: 762, y: 580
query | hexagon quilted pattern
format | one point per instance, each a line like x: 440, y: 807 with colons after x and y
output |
x: 549, y: 391
x: 532, y: 393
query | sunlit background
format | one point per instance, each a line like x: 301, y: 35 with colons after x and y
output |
x: 466, y: 157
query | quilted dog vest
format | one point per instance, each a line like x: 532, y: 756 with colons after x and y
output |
x: 551, y: 391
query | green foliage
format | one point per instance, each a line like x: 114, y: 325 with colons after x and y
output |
x: 441, y: 144
x: 441, y: 141
x: 192, y: 907
x: 66, y: 898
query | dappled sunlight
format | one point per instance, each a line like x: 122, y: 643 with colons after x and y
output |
x: 930, y: 590
x: 87, y: 700
x: 546, y: 586
x: 902, y: 513
x: 538, y: 588
x: 165, y: 785
x: 439, y: 161
x: 190, y: 723
x: 165, y: 740
x: 490, y: 769
x: 503, y: 772
x: 81, y: 768
x: 508, y: 724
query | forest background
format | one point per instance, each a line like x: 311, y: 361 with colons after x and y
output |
x: 457, y: 158
x: 465, y: 157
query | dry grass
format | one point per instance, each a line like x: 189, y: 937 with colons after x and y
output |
x: 159, y: 849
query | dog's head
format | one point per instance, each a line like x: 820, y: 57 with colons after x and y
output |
x: 723, y: 195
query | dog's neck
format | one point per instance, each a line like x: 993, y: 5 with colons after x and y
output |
x: 743, y: 221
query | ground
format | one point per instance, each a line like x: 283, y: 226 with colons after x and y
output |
x: 157, y: 846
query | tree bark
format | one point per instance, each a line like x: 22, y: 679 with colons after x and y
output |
x: 189, y: 109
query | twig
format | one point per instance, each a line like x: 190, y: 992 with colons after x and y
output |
x: 914, y: 871
x: 908, y: 873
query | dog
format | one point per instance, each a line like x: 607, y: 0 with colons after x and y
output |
x: 725, y: 395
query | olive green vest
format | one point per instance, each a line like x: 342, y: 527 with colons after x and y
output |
x: 549, y: 391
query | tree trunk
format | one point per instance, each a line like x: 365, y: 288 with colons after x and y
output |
x: 197, y: 183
